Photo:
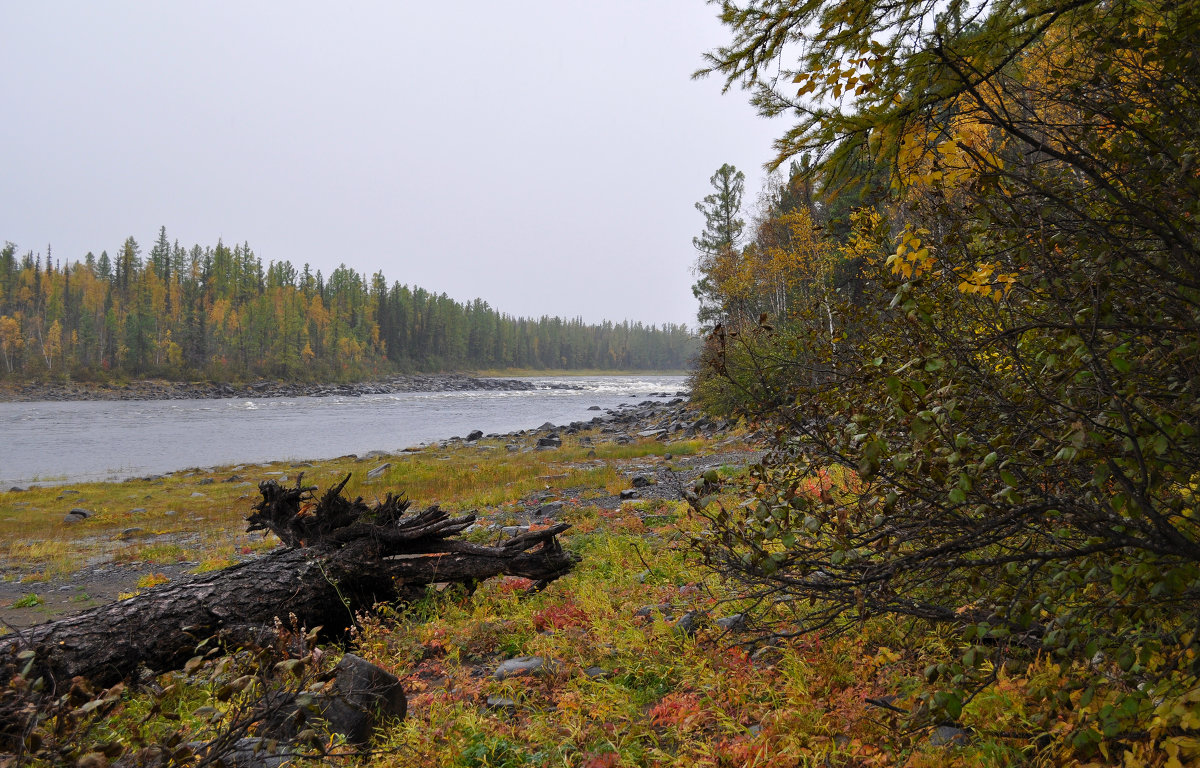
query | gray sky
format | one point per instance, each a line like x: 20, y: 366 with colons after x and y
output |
x: 544, y: 156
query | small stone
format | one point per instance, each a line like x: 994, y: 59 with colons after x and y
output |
x: 596, y: 673
x: 170, y: 513
x: 593, y: 408
x: 72, y: 518
x: 648, y: 610
x: 522, y: 665
x: 378, y: 471
x: 629, y: 493
x: 206, y: 481
x: 641, y: 481
x: 689, y: 622
x: 948, y: 736
x: 137, y: 510
x: 197, y: 495
x: 82, y: 512
x: 733, y: 623
x: 512, y: 447
x: 553, y: 509
x: 125, y: 534
x: 501, y: 703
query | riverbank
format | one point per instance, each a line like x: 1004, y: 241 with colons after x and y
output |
x: 156, y: 389
x: 75, y: 546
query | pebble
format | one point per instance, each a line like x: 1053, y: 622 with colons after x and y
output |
x: 501, y: 703
x: 948, y: 736
x: 378, y: 471
x: 522, y: 665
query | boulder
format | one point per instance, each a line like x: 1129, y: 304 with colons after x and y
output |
x: 363, y: 698
x: 641, y: 481
x: 475, y: 435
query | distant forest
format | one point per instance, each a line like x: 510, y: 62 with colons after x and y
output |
x: 215, y: 312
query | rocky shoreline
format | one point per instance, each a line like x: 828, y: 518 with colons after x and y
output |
x: 204, y: 390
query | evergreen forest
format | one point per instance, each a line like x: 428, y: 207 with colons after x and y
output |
x: 216, y: 312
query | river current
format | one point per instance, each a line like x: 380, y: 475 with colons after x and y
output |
x: 54, y: 442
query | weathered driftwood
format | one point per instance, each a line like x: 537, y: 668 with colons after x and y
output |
x: 342, y: 557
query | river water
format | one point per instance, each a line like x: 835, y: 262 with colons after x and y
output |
x: 51, y: 442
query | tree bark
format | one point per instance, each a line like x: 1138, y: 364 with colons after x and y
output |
x: 343, y: 558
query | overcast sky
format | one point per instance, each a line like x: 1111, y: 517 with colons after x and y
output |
x: 544, y: 156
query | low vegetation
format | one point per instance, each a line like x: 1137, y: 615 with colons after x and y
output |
x: 645, y: 659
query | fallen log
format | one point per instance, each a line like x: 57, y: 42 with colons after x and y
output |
x: 342, y: 557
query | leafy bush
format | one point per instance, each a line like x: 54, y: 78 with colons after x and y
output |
x: 1005, y: 435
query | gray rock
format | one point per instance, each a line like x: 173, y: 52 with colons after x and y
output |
x: 649, y: 610
x: 501, y: 703
x: 948, y: 736
x: 593, y: 407
x: 170, y: 513
x: 81, y: 512
x: 512, y: 447
x: 596, y: 673
x: 733, y: 623
x: 550, y: 441
x: 198, y: 495
x: 137, y: 510
x: 206, y: 481
x: 547, y: 427
x: 128, y: 532
x: 641, y: 481
x: 252, y: 752
x: 378, y: 471
x: 523, y: 665
x: 73, y: 518
x: 475, y: 435
x: 553, y: 509
x: 690, y: 622
x: 629, y: 493
x: 513, y: 530
x: 364, y: 697
x: 17, y: 489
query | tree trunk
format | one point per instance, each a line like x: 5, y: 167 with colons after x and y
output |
x: 343, y: 558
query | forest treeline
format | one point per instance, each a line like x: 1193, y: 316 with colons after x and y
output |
x: 216, y: 312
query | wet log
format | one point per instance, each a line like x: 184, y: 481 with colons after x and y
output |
x: 342, y: 557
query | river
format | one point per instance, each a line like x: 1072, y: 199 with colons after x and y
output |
x: 55, y: 442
